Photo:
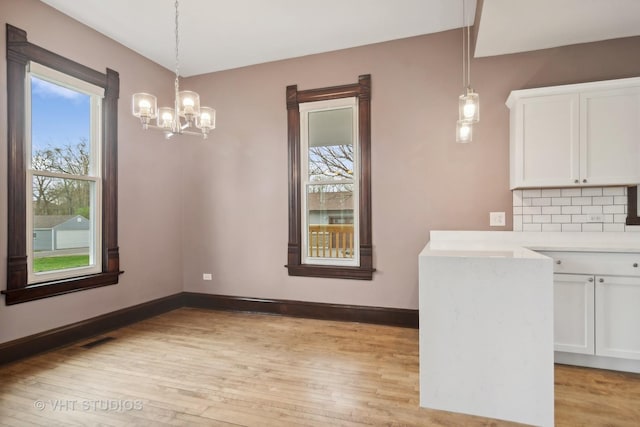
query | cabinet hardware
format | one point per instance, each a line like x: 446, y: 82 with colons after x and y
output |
x: 584, y: 180
x: 558, y: 262
x: 635, y: 264
x: 576, y: 181
x: 601, y: 280
x: 591, y: 279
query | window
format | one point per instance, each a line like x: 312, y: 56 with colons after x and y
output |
x: 329, y: 181
x: 62, y: 128
x: 63, y: 142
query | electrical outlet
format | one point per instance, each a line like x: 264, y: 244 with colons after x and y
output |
x: 595, y: 218
x: 497, y: 219
x: 206, y: 276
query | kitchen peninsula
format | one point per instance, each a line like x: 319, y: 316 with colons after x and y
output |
x: 487, y: 319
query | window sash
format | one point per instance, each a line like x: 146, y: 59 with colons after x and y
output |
x: 305, y: 109
x: 94, y: 176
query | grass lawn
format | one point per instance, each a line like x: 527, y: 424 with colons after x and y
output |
x: 60, y: 262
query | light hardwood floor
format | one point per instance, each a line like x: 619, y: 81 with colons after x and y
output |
x: 200, y: 367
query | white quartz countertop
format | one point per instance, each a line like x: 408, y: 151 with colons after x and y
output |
x: 523, y: 244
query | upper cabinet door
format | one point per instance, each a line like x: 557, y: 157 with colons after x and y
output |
x: 576, y: 135
x: 610, y: 136
x: 545, y: 145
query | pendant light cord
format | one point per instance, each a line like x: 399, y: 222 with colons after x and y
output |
x: 464, y: 72
x: 468, y: 51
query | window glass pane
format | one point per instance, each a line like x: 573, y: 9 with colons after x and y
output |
x: 330, y: 221
x: 331, y: 145
x: 63, y: 224
x: 60, y: 128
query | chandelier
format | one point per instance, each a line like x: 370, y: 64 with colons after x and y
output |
x: 186, y: 117
x: 469, y: 101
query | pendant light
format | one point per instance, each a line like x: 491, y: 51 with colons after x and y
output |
x: 469, y: 101
x: 186, y: 117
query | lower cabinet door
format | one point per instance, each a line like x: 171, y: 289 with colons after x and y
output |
x: 573, y: 310
x: 618, y: 317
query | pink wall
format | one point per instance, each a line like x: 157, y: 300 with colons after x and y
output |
x: 220, y: 206
x: 150, y: 193
x: 235, y: 206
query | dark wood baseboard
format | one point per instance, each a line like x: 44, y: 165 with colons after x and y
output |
x: 402, y: 317
x: 59, y: 337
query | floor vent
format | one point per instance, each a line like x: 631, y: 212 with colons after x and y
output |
x: 97, y: 342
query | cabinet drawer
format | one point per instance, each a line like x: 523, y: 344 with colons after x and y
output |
x: 617, y: 264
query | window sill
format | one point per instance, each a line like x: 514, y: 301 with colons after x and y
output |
x: 59, y: 287
x: 330, y: 271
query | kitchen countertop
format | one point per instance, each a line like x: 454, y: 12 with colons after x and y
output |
x: 482, y: 241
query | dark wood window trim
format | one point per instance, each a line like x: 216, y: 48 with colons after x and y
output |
x: 361, y: 91
x: 632, y: 207
x: 19, y: 53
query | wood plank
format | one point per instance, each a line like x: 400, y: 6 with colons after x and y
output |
x: 201, y: 367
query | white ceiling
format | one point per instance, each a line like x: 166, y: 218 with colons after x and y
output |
x: 509, y: 26
x: 223, y: 34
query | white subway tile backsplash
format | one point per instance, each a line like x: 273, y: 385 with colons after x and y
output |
x: 578, y: 219
x: 517, y: 197
x: 541, y: 201
x: 591, y: 209
x: 632, y: 228
x: 532, y: 210
x: 553, y: 192
x: 570, y: 192
x: 551, y: 210
x: 619, y: 218
x: 592, y: 227
x: 613, y: 191
x: 561, y: 219
x: 531, y: 193
x: 613, y: 227
x: 551, y: 227
x: 568, y: 210
x: 619, y: 200
x: 517, y: 223
x: 531, y: 227
x: 606, y: 200
x: 541, y: 219
x: 613, y: 209
x: 592, y: 191
x: 571, y: 209
x: 571, y: 227
x: 581, y: 201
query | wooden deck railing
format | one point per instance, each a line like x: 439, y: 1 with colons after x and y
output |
x: 331, y: 240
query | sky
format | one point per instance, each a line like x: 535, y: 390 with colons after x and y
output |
x: 59, y: 116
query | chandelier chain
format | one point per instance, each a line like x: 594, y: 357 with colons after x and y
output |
x: 177, y: 49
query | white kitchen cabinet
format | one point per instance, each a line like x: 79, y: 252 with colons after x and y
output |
x: 597, y: 309
x: 575, y: 135
x: 573, y: 313
x: 617, y: 310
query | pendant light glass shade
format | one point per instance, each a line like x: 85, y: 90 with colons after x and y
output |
x: 144, y: 106
x: 165, y: 118
x: 464, y: 131
x: 469, y: 106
